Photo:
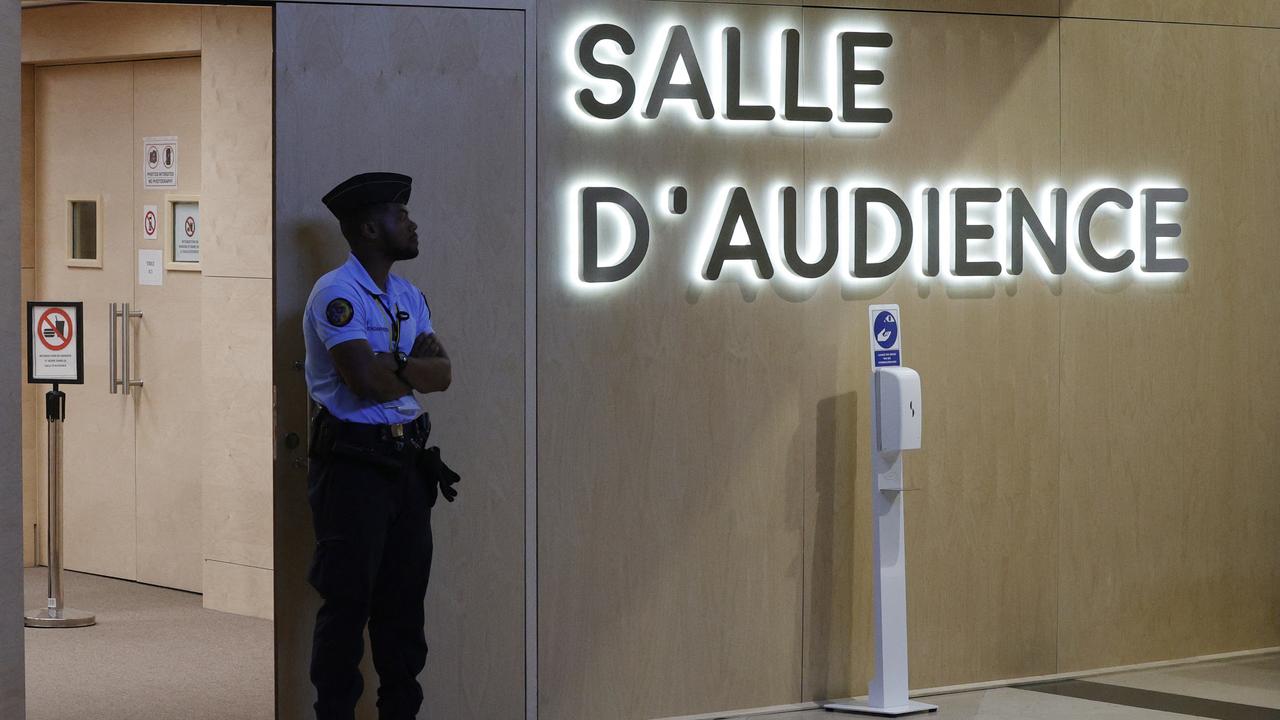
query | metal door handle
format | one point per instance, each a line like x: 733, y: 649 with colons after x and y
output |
x: 124, y: 330
x: 111, y: 349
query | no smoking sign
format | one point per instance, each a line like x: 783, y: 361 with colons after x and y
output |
x: 55, y: 352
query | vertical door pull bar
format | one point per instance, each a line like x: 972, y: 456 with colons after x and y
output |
x: 124, y: 329
x: 111, y: 349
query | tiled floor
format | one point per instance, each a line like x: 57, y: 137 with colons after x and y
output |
x: 1004, y: 704
x: 156, y: 653
x: 1252, y: 681
x: 1247, y: 689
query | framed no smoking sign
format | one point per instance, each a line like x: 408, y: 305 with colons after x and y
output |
x: 55, y: 345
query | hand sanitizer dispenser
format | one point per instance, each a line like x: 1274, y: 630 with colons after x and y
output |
x: 898, y: 409
x: 896, y: 415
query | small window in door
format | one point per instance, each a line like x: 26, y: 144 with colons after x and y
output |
x: 182, y: 231
x: 84, y: 219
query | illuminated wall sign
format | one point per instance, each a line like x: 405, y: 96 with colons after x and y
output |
x: 679, y: 52
x: 984, y: 230
x: 1048, y: 230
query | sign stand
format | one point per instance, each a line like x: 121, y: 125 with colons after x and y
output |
x: 888, y: 694
x: 55, y: 354
x: 56, y: 615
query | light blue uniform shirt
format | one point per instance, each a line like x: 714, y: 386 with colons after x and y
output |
x: 346, y: 304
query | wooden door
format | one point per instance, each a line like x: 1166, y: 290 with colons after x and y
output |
x: 84, y: 143
x: 167, y: 340
x: 132, y: 462
x: 83, y: 149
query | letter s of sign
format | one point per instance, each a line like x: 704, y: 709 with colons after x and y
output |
x: 605, y: 71
x: 591, y: 199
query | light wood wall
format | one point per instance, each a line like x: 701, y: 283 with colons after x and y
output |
x: 235, y: 176
x: 87, y: 32
x: 1255, y: 13
x: 237, y: 167
x: 1248, y: 13
x: 1168, y: 500
x: 1097, y: 484
x: 31, y: 395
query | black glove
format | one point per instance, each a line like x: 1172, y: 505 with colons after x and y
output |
x: 439, y: 473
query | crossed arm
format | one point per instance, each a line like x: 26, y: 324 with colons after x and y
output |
x: 372, y: 375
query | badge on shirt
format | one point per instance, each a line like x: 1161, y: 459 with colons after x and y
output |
x: 339, y: 312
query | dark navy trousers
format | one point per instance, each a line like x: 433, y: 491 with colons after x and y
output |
x: 371, y: 565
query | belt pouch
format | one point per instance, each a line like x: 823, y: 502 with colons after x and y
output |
x: 320, y: 442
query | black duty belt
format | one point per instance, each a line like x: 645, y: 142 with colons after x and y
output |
x: 368, y: 434
x: 396, y: 448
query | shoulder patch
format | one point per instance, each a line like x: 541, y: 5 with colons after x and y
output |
x: 339, y: 312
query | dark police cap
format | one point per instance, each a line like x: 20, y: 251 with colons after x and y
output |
x: 367, y: 189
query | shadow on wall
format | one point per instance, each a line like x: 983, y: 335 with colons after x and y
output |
x: 323, y: 249
x: 828, y: 632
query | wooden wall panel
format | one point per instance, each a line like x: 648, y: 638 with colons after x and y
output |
x: 1257, y: 13
x: 717, y: 406
x: 1048, y: 8
x: 448, y: 86
x: 235, y: 257
x: 1170, y: 507
x: 31, y: 415
x: 1041, y: 8
x: 236, y: 122
x: 1067, y: 418
x: 89, y: 32
x: 987, y: 353
x: 237, y: 450
x: 672, y: 443
x: 34, y: 525
x: 239, y: 589
x: 28, y: 207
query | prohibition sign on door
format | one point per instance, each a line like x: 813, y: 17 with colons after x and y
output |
x: 150, y: 222
x: 55, y: 348
x: 182, y: 232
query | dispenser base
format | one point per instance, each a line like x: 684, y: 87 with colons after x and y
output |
x: 911, y: 708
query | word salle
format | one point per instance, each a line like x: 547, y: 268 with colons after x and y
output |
x: 679, y: 51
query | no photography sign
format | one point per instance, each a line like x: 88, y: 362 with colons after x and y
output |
x: 55, y: 350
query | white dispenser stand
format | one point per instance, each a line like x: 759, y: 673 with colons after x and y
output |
x: 895, y: 426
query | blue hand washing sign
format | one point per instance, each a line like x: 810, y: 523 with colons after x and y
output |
x: 885, y: 326
x: 886, y: 329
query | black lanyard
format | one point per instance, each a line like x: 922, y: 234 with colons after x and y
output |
x: 395, y: 321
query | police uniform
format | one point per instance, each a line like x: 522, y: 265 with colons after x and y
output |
x: 370, y: 497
